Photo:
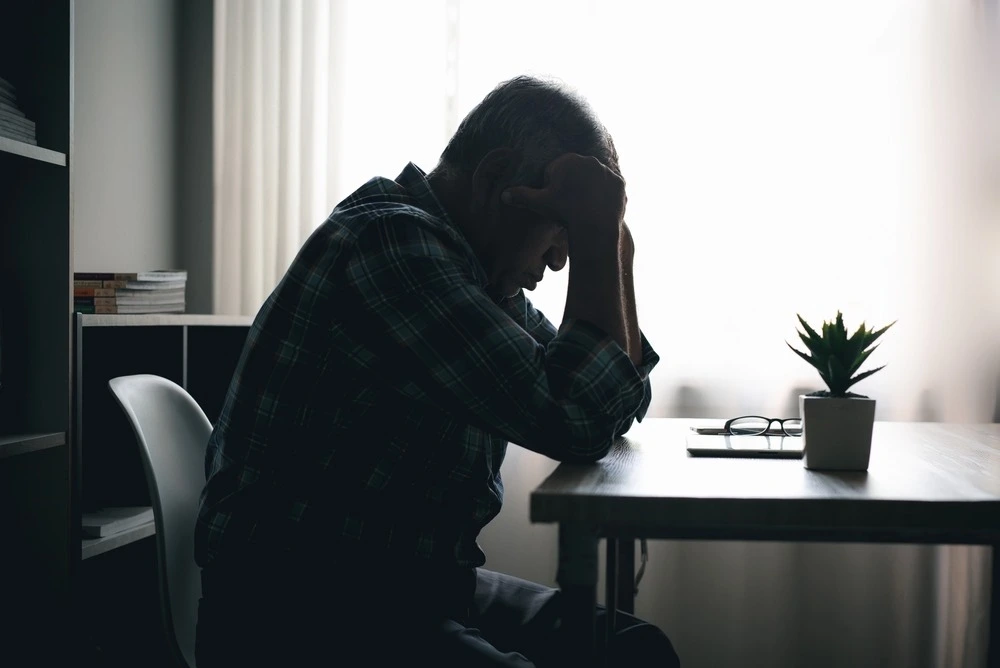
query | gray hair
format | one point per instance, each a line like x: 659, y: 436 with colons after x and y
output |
x: 541, y: 119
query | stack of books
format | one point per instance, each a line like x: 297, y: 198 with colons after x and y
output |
x: 158, y: 291
x: 13, y: 123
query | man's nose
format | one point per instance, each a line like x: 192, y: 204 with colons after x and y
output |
x: 556, y: 256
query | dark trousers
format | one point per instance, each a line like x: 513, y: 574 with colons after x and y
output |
x: 506, y: 621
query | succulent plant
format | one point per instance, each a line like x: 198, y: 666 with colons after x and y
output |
x: 837, y: 356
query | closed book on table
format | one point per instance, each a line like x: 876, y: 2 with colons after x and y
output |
x: 120, y: 297
x: 174, y: 275
x: 118, y: 309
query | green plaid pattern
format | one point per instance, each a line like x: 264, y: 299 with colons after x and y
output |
x: 379, y: 386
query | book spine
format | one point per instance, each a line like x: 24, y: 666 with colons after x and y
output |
x: 95, y: 301
x: 92, y: 283
x: 4, y: 107
x: 17, y: 135
x: 93, y: 292
x: 16, y: 121
x: 95, y: 305
x: 103, y: 276
x: 93, y: 276
x: 125, y: 295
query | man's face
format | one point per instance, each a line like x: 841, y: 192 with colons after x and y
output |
x: 515, y: 245
x: 522, y: 245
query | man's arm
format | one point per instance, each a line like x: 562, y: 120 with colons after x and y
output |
x: 589, y: 199
x: 632, y: 333
x: 520, y: 308
x: 534, y: 322
x: 416, y: 305
x: 542, y: 330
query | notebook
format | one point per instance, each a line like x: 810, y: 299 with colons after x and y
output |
x: 724, y: 445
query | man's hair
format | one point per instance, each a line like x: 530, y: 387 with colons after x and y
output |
x: 541, y: 119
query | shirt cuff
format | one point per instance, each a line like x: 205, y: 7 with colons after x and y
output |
x: 649, y: 357
x: 596, y: 367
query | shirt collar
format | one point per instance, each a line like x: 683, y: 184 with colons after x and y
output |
x: 414, y: 181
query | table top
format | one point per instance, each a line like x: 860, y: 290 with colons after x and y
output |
x: 927, y: 482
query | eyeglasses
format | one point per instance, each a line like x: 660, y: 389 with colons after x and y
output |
x: 754, y: 425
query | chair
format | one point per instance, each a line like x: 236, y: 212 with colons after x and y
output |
x: 172, y: 432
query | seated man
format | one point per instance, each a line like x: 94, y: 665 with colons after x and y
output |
x: 358, y: 453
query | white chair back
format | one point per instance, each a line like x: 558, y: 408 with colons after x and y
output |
x: 172, y: 432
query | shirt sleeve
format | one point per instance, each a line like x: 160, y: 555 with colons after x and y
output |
x: 534, y: 322
x: 649, y: 360
x: 418, y: 305
x: 520, y: 308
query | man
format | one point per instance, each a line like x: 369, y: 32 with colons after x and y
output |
x: 358, y: 453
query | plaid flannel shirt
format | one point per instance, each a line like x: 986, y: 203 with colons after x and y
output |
x: 379, y: 386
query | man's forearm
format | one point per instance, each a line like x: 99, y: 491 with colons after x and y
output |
x: 597, y: 287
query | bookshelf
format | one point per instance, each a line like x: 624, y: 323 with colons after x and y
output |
x: 91, y: 547
x: 36, y: 56
x: 198, y: 352
x: 20, y: 444
x: 31, y: 152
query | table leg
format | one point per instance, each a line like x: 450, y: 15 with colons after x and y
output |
x: 611, y: 593
x: 626, y: 575
x: 577, y: 579
x: 993, y: 652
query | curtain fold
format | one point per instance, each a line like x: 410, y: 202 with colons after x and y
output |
x: 272, y: 109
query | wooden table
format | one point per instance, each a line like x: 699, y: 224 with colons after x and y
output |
x: 927, y: 483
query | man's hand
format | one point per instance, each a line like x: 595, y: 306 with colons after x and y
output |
x: 589, y: 199
x: 579, y: 192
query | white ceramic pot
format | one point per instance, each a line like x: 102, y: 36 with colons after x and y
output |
x: 837, y: 433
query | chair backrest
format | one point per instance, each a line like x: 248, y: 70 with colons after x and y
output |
x: 172, y: 432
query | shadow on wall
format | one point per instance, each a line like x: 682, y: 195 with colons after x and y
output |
x: 791, y: 408
x: 928, y: 407
x: 996, y: 402
x: 689, y: 402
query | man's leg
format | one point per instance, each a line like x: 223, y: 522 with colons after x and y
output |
x: 515, y: 615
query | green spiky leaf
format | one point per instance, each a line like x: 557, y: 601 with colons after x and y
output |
x: 815, y: 340
x: 862, y: 376
x: 873, y: 336
x: 861, y: 359
x: 807, y: 358
x: 836, y: 354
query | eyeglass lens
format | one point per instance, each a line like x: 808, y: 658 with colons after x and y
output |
x: 758, y: 425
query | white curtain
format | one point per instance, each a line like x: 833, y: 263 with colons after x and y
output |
x: 781, y: 157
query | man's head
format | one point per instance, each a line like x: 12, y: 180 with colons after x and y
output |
x: 507, y: 140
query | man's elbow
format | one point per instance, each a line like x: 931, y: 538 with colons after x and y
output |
x: 586, y: 456
x: 587, y: 443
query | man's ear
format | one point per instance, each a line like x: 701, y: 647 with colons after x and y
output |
x: 492, y: 175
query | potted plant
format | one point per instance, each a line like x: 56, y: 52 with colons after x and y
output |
x: 837, y: 424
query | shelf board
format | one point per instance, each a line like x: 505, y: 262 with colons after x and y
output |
x: 12, y: 445
x: 8, y: 145
x: 162, y: 319
x: 91, y: 547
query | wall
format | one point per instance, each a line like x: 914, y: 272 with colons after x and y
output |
x: 193, y: 231
x: 123, y: 156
